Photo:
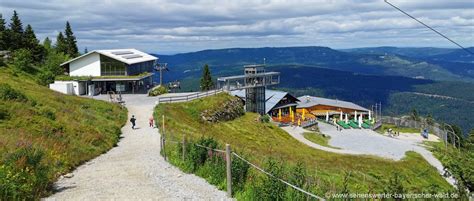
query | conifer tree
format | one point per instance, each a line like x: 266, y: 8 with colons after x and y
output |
x: 61, y: 45
x: 206, y: 79
x: 32, y: 43
x: 71, y: 43
x: 3, y: 30
x: 47, y: 44
x: 15, y: 33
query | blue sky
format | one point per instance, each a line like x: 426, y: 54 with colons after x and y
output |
x: 162, y: 26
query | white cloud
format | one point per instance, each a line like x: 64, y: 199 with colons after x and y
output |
x: 186, y: 25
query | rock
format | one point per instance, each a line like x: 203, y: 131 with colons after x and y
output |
x: 230, y: 110
x: 69, y: 175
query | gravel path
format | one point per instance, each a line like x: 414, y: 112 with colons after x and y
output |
x: 368, y: 142
x: 134, y: 170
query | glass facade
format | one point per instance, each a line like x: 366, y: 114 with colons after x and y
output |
x: 112, y: 67
x: 142, y: 67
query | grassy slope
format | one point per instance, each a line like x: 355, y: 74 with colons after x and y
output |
x: 318, y: 139
x: 260, y: 141
x: 68, y: 130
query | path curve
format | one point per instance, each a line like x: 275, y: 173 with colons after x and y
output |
x: 351, y: 142
x: 134, y: 170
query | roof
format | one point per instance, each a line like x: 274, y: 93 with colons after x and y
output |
x: 309, y: 101
x: 128, y: 56
x: 272, y: 97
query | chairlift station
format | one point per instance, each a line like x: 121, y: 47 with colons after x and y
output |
x: 254, y: 80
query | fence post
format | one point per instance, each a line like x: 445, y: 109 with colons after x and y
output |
x: 184, y: 146
x: 228, y: 167
x: 163, y: 137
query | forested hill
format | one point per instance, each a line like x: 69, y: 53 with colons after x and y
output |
x: 376, y: 61
x: 364, y: 75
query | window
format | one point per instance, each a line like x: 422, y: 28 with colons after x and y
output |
x: 109, y: 66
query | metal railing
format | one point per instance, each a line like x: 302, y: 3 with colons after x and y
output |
x: 189, y: 97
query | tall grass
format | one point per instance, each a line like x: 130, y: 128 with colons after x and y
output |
x: 44, y: 134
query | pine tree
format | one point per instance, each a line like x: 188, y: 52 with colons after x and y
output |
x: 61, y: 45
x: 71, y: 45
x: 206, y: 79
x: 15, y: 34
x: 47, y: 44
x: 3, y: 30
x: 32, y: 43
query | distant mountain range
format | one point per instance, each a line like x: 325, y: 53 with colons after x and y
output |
x: 391, y: 75
x: 421, y: 63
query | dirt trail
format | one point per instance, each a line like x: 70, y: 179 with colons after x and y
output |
x: 134, y: 170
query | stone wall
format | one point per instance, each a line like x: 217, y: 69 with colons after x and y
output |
x: 230, y: 110
x: 407, y: 121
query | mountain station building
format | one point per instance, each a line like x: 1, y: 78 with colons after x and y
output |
x: 103, y: 71
x: 329, y: 108
x: 275, y: 101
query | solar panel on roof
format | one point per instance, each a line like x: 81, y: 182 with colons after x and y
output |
x: 122, y: 52
x: 133, y: 56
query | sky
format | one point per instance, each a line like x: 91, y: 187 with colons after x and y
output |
x: 174, y: 26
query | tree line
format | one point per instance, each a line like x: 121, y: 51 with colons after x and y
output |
x: 25, y: 53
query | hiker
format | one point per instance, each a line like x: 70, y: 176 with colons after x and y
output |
x: 150, y: 121
x: 132, y: 120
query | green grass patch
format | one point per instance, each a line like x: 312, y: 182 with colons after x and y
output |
x: 44, y: 134
x: 261, y: 141
x: 319, y: 138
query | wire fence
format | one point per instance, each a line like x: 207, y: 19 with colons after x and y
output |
x: 283, y: 181
x: 249, y: 163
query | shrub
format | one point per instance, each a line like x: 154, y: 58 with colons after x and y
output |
x: 22, y: 60
x: 22, y: 175
x: 264, y: 118
x: 158, y: 90
x: 395, y: 184
x: 45, y: 77
x: 47, y: 112
x: 240, y: 171
x: 3, y: 113
x: 297, y: 176
x: 8, y: 93
x: 272, y: 188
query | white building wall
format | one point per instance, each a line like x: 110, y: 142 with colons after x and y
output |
x: 69, y: 87
x: 62, y: 87
x: 86, y: 66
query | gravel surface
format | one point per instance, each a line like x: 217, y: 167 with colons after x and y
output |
x: 368, y: 142
x: 134, y: 170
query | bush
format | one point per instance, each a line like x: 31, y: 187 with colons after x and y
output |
x: 47, y: 112
x: 272, y: 188
x: 3, y: 113
x: 265, y: 118
x: 45, y: 77
x: 395, y: 184
x: 297, y: 176
x: 22, y: 60
x: 8, y: 93
x: 22, y: 174
x: 158, y: 90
